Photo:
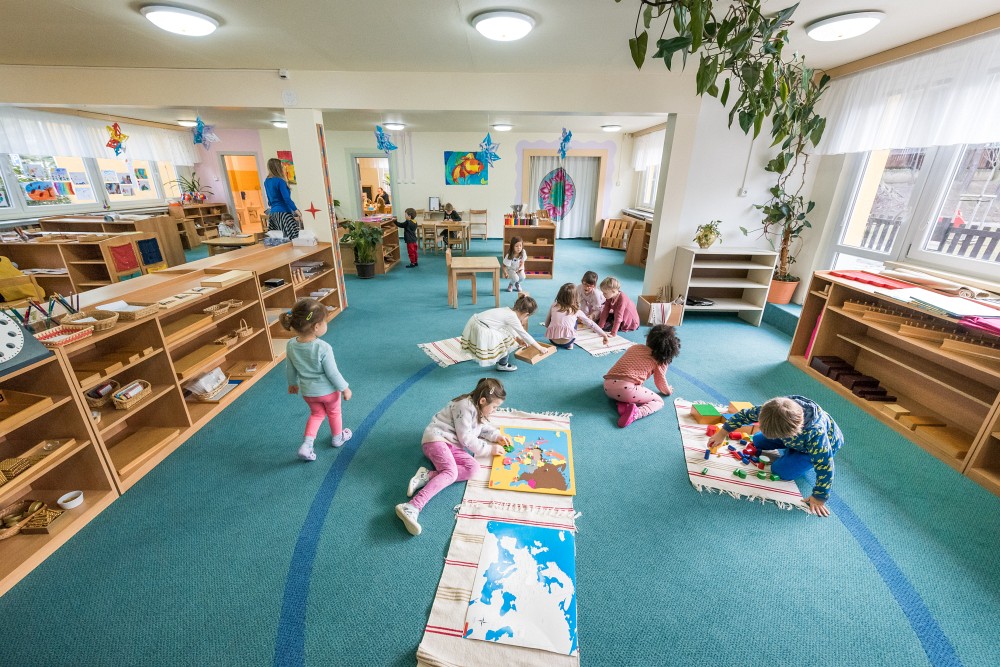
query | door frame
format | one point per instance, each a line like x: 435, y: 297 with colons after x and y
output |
x: 356, y: 177
x: 231, y: 198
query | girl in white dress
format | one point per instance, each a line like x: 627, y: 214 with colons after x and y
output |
x: 490, y: 336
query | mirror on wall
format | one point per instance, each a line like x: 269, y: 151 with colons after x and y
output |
x: 373, y: 185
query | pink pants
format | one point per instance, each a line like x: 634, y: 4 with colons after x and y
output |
x: 451, y: 464
x: 324, y: 406
x: 627, y: 392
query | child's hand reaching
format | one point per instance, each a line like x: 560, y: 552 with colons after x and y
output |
x: 293, y: 389
x: 816, y: 506
x: 717, y: 438
x: 498, y: 450
x: 504, y: 440
x: 346, y: 394
x: 605, y: 339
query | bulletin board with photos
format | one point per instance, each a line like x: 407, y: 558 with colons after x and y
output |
x: 127, y: 180
x: 47, y: 180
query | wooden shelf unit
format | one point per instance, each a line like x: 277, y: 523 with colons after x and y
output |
x: 387, y: 253
x: 961, y: 391
x: 637, y: 249
x: 162, y: 227
x: 735, y: 279
x: 76, y: 465
x: 206, y: 217
x: 539, y: 244
x: 33, y: 255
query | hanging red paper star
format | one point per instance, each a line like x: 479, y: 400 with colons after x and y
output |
x: 312, y: 209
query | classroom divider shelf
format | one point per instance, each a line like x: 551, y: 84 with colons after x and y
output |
x: 539, y: 244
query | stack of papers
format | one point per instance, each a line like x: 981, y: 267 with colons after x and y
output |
x: 952, y: 306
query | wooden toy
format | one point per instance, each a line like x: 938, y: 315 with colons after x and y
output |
x: 761, y: 475
x: 735, y: 435
x: 895, y: 410
x: 774, y: 477
x: 533, y: 356
x: 736, y: 406
x: 711, y: 429
x: 751, y: 449
x: 704, y: 471
x: 835, y: 373
x: 705, y: 413
x: 824, y: 365
x: 913, y: 421
x: 707, y: 454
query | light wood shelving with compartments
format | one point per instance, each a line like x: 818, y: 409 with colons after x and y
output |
x: 539, y: 244
x: 637, y: 249
x: 206, y: 216
x: 387, y: 252
x: 962, y: 391
x: 163, y: 227
x: 734, y: 279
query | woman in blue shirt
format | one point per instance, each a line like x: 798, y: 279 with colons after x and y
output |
x: 284, y: 215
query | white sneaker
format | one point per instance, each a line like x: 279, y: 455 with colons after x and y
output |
x: 306, y: 452
x: 418, y: 481
x: 510, y: 287
x: 408, y: 514
x: 339, y: 440
x: 506, y: 367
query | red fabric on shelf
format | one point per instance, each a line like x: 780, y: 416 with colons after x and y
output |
x: 124, y: 257
x: 872, y: 279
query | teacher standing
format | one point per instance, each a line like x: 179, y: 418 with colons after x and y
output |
x: 284, y: 215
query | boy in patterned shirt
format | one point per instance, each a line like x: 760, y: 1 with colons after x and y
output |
x: 804, y: 435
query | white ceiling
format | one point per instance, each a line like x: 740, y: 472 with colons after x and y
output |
x: 403, y: 35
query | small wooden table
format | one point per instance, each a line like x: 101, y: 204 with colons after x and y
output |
x: 231, y: 242
x: 436, y: 227
x: 472, y: 265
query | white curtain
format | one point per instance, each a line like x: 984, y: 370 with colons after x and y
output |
x: 944, y: 97
x: 647, y: 150
x: 28, y: 132
x: 585, y: 173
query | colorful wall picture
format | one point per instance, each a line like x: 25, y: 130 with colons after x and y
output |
x: 288, y: 165
x: 60, y: 174
x: 43, y: 191
x: 125, y: 178
x: 4, y: 197
x: 110, y: 176
x: 144, y: 186
x: 525, y: 588
x: 63, y: 187
x: 465, y: 168
x: 128, y: 190
x: 78, y: 177
x: 113, y: 188
x: 36, y: 171
x: 84, y: 193
x: 557, y: 194
x: 141, y: 173
x: 541, y: 461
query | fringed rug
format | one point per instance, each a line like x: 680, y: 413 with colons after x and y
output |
x: 591, y: 342
x: 446, y: 352
x: 720, y: 477
x: 444, y: 643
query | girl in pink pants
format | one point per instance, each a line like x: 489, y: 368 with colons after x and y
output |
x: 624, y: 382
x: 451, y: 441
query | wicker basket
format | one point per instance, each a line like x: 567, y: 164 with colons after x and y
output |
x: 60, y: 335
x: 129, y: 403
x: 228, y: 339
x: 104, y: 400
x: 105, y: 319
x: 18, y: 508
x: 234, y: 303
x: 211, y: 393
x: 245, y: 330
x: 217, y: 310
x: 132, y: 315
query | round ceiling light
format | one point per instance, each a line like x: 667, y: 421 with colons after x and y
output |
x: 503, y: 26
x: 611, y: 128
x: 843, y: 26
x: 180, y: 21
x: 187, y: 123
x: 395, y: 127
x: 502, y: 127
x: 280, y: 124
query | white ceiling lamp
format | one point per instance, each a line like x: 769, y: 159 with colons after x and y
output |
x: 187, y: 123
x: 395, y: 127
x: 180, y: 21
x: 611, y: 128
x: 843, y: 26
x: 503, y: 26
x: 502, y: 127
x: 280, y: 124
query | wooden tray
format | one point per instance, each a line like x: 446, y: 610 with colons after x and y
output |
x: 237, y: 370
x: 17, y: 407
x: 185, y: 326
x: 190, y: 364
x: 59, y: 336
x: 533, y: 356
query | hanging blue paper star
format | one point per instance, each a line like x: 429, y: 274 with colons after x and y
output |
x: 384, y: 143
x: 488, y: 150
x: 567, y: 136
x: 204, y: 134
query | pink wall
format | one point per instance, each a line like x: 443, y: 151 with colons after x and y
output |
x: 210, y: 170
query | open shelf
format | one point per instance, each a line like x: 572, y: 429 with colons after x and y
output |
x: 112, y: 417
x: 136, y: 447
x: 734, y: 279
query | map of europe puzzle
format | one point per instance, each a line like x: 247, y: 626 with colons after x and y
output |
x: 525, y: 588
x: 541, y: 461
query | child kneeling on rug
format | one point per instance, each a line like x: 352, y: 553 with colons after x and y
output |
x: 451, y: 441
x: 560, y: 323
x: 804, y: 435
x: 489, y: 336
x: 624, y: 382
x: 618, y: 311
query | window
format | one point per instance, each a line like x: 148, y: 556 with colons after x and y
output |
x: 649, y: 179
x: 168, y: 178
x: 4, y: 194
x: 52, y: 180
x: 125, y: 185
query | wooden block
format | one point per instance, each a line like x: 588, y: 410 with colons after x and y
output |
x: 868, y: 384
x: 225, y: 279
x: 835, y: 373
x: 883, y: 398
x: 913, y: 421
x: 895, y: 410
x: 857, y: 381
x: 705, y: 413
x: 856, y: 307
x: 924, y: 334
x: 533, y: 356
x: 824, y: 364
x: 736, y: 406
x: 886, y: 318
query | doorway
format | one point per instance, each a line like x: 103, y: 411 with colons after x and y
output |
x: 373, y: 185
x: 243, y: 179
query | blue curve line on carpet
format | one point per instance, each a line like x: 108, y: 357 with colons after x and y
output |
x: 289, y: 649
x: 932, y: 637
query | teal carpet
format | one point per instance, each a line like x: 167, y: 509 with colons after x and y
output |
x: 232, y: 552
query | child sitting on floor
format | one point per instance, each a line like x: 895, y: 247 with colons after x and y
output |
x: 624, y: 382
x: 590, y: 298
x: 451, y: 441
x: 560, y: 323
x: 489, y: 335
x: 804, y: 435
x: 513, y: 263
x: 312, y: 372
x: 619, y: 312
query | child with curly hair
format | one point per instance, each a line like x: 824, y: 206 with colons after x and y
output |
x: 624, y: 382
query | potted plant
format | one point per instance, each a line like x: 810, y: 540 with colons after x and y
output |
x: 365, y: 238
x: 708, y: 234
x: 191, y: 188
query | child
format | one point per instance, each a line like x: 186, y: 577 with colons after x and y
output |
x: 513, y: 263
x: 590, y: 298
x: 805, y: 435
x: 312, y: 371
x: 409, y: 227
x: 560, y: 324
x: 624, y: 382
x: 450, y: 215
x: 618, y: 307
x: 454, y: 436
x: 227, y: 226
x: 489, y: 336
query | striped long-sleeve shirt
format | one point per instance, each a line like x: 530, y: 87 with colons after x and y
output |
x: 820, y: 438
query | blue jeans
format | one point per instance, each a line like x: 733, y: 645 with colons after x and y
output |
x: 790, y: 465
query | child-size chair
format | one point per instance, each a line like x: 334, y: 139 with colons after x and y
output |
x: 453, y: 285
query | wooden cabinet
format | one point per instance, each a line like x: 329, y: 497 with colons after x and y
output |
x: 539, y: 244
x: 734, y: 279
x: 387, y: 253
x: 206, y: 217
x: 163, y: 227
x: 905, y: 348
x: 637, y: 249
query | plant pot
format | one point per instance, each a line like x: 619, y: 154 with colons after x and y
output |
x: 366, y: 270
x: 706, y: 239
x: 781, y: 291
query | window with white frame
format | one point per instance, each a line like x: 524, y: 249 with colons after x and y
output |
x: 649, y: 179
x: 125, y: 183
x: 46, y: 180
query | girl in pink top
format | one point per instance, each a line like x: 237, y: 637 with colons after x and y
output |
x: 619, y: 312
x: 560, y: 324
x: 624, y: 382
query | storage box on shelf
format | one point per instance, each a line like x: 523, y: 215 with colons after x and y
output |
x: 163, y: 227
x: 734, y: 279
x: 206, y: 217
x: 63, y: 457
x: 539, y: 244
x: 903, y: 347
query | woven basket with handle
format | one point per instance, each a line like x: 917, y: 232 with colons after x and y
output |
x: 103, y: 320
x: 128, y: 403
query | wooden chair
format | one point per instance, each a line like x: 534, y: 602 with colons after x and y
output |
x: 453, y: 290
x: 427, y: 237
x: 477, y: 219
x: 458, y: 236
